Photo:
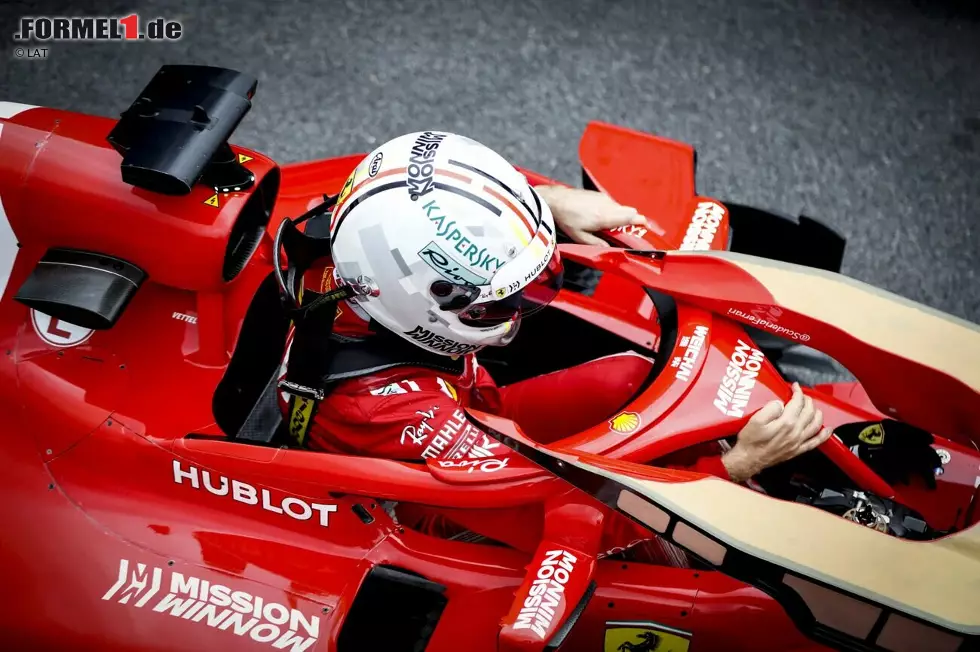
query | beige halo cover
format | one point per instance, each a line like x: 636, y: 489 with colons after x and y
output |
x: 892, y: 323
x: 937, y: 581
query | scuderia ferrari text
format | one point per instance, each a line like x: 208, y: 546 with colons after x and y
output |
x: 245, y: 493
x: 215, y: 605
x: 546, y: 592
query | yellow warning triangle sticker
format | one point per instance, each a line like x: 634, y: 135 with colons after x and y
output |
x: 244, y: 159
x: 212, y: 200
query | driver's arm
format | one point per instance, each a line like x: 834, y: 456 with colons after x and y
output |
x: 775, y: 434
x: 579, y: 213
x: 705, y: 459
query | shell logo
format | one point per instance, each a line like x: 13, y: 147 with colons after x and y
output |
x: 625, y: 422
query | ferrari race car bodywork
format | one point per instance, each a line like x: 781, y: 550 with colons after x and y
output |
x: 136, y: 518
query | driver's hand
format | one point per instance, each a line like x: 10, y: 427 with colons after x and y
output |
x: 776, y: 434
x: 579, y: 213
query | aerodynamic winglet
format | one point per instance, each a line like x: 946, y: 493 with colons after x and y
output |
x: 655, y: 175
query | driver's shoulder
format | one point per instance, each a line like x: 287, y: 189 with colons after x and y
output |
x: 398, y: 381
x: 392, y: 395
x: 390, y: 415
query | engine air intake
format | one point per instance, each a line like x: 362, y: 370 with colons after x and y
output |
x: 178, y: 128
x: 83, y: 288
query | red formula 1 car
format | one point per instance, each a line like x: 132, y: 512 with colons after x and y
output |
x: 141, y: 514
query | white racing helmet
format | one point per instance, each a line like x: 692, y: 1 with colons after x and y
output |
x: 447, y: 244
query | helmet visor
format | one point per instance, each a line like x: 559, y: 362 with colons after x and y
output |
x: 528, y: 300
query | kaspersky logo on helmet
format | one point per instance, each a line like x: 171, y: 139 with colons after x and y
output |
x: 421, y: 167
x: 447, y: 230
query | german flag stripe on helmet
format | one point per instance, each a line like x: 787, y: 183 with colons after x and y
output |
x: 340, y: 205
x: 510, y: 191
x: 345, y: 211
x: 512, y: 208
x: 537, y: 202
x: 468, y: 195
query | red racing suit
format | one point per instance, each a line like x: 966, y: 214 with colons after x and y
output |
x: 414, y: 413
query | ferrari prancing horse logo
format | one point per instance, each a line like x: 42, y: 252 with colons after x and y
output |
x: 645, y: 637
x: 873, y: 435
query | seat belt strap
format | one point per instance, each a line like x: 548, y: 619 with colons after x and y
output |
x: 309, y: 356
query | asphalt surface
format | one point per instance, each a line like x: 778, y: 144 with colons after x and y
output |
x: 865, y: 114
